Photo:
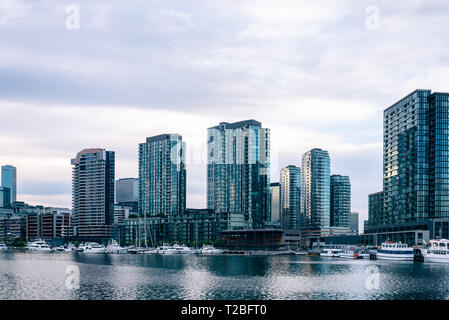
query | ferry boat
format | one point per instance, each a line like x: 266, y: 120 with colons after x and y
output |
x: 114, y: 247
x: 92, y: 247
x: 395, y: 251
x: 331, y: 251
x: 3, y: 246
x: 438, y: 251
x: 208, y: 249
x: 39, y: 245
x: 350, y: 253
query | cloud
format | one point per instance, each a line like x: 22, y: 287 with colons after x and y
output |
x: 311, y: 71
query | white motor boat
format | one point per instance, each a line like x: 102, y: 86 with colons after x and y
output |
x: 438, y: 251
x: 114, y: 247
x: 3, y: 246
x: 208, y: 249
x: 182, y: 249
x: 92, y: 247
x: 395, y: 251
x: 166, y: 249
x: 39, y: 245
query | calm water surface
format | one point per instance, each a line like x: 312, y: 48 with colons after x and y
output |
x: 30, y: 275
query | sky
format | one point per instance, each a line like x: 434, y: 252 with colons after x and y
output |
x: 108, y: 74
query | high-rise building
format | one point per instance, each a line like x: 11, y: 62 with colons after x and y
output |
x: 162, y: 176
x: 315, y: 190
x: 354, y: 226
x: 238, y: 171
x: 376, y: 209
x: 127, y: 193
x: 5, y: 197
x: 340, y: 201
x: 290, y: 182
x: 93, y: 179
x: 275, y: 196
x: 9, y: 180
x: 416, y: 165
x: 127, y: 190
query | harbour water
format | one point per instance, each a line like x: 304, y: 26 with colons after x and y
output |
x: 31, y: 275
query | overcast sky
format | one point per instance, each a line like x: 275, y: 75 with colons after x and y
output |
x: 317, y: 73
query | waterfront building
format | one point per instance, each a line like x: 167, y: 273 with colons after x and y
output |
x: 121, y: 213
x: 340, y: 201
x: 275, y: 198
x: 162, y: 176
x: 416, y: 147
x: 127, y: 193
x: 354, y: 225
x: 415, y: 169
x: 195, y: 228
x: 5, y: 197
x: 290, y: 182
x: 9, y: 180
x: 315, y: 192
x: 376, y: 209
x: 93, y: 177
x: 238, y: 171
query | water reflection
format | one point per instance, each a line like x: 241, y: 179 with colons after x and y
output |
x: 25, y: 275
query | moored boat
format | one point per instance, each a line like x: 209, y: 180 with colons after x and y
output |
x: 114, y: 247
x: 39, y: 245
x: 395, y: 251
x: 208, y: 249
x: 350, y: 253
x: 438, y: 251
x: 331, y: 251
x: 92, y: 247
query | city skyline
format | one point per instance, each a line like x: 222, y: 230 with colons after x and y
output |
x: 318, y: 88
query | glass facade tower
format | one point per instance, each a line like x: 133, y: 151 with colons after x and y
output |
x: 290, y: 197
x: 315, y: 190
x: 162, y: 176
x: 238, y: 171
x: 93, y: 177
x: 9, y: 180
x: 127, y: 190
x: 416, y: 165
x: 340, y: 201
x: 275, y: 198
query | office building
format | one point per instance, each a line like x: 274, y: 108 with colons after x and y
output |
x: 290, y: 182
x: 127, y: 193
x: 340, y: 201
x: 315, y: 190
x: 354, y: 226
x: 275, y: 198
x: 9, y: 180
x: 162, y: 176
x: 93, y: 177
x: 238, y: 171
x: 5, y: 197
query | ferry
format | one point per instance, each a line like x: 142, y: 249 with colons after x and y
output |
x: 438, y: 251
x: 208, y: 249
x: 331, y: 251
x: 395, y: 251
x: 92, y: 247
x: 39, y: 245
x: 350, y: 253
